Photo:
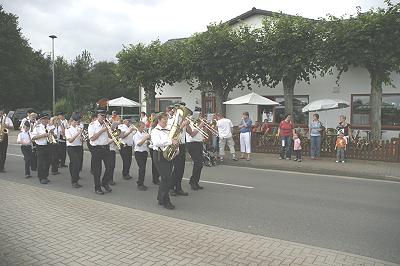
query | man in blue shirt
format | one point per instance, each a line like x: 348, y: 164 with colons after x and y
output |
x: 245, y: 135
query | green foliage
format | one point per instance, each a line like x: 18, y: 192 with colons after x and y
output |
x: 63, y: 105
x: 217, y: 60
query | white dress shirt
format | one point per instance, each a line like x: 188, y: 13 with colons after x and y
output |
x: 24, y: 138
x: 224, y: 128
x: 138, y: 137
x: 128, y: 140
x: 144, y: 119
x: 39, y: 129
x: 196, y: 138
x: 70, y: 133
x: 94, y: 128
x: 159, y: 137
x: 21, y: 126
x: 7, y: 121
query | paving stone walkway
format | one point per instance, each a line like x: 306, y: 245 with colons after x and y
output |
x: 44, y: 227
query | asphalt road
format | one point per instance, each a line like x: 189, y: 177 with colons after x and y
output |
x: 359, y: 216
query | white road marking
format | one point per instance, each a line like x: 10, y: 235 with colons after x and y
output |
x: 218, y: 183
x: 12, y: 154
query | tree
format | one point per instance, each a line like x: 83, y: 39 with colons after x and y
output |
x: 216, y: 61
x: 148, y: 67
x: 287, y: 51
x: 369, y: 40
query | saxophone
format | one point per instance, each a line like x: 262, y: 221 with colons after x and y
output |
x: 3, y: 129
x: 181, y: 113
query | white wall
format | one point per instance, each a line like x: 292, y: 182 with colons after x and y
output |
x: 192, y: 99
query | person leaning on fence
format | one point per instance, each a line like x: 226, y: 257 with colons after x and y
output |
x: 286, y: 132
x: 340, y: 146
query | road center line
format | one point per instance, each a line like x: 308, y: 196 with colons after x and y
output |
x: 12, y: 154
x: 223, y: 184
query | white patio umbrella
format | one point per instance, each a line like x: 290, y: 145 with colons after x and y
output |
x: 325, y: 105
x: 251, y: 99
x: 122, y: 102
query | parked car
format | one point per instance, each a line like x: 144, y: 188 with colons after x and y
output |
x: 134, y: 117
x: 18, y: 115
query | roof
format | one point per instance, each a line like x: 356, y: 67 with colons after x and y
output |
x: 252, y: 12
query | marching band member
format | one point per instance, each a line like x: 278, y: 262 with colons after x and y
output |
x: 93, y: 118
x: 100, y: 152
x: 40, y: 134
x: 28, y: 113
x: 26, y: 147
x: 195, y: 148
x: 154, y: 171
x: 62, y: 146
x: 53, y: 148
x: 32, y: 121
x: 109, y: 171
x: 73, y: 135
x: 140, y: 139
x: 126, y: 137
x: 159, y: 137
x: 7, y: 124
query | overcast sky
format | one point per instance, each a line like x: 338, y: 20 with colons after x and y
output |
x: 102, y: 26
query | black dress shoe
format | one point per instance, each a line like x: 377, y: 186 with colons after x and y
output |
x: 43, y: 181
x: 107, y: 188
x: 156, y: 182
x: 127, y: 177
x: 2, y: 171
x: 172, y: 193
x: 160, y: 203
x: 28, y: 176
x: 76, y: 185
x: 55, y: 173
x: 198, y: 186
x: 194, y: 187
x: 63, y: 166
x: 111, y: 183
x: 99, y: 191
x: 181, y: 193
x: 169, y: 206
x: 142, y: 187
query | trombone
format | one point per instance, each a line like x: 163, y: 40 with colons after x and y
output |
x: 196, y: 125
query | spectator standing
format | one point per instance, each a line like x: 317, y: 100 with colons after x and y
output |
x: 256, y: 127
x: 297, y: 147
x: 286, y: 132
x: 115, y: 117
x: 266, y: 127
x: 341, y: 143
x: 346, y: 128
x: 143, y: 117
x: 245, y: 135
x: 225, y: 126
x: 315, y: 132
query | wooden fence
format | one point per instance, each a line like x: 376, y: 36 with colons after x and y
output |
x: 362, y: 149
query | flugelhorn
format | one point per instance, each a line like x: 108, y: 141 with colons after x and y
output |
x: 114, y: 134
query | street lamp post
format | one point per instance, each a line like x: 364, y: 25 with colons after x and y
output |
x: 54, y: 83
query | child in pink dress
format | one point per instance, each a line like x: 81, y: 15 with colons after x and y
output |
x: 297, y: 147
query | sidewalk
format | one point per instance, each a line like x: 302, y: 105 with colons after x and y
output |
x: 44, y: 227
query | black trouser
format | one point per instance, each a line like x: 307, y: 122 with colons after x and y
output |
x: 179, y: 167
x: 90, y: 147
x: 195, y: 150
x: 54, y: 157
x: 109, y: 172
x: 141, y: 159
x: 27, y: 152
x: 3, y: 151
x: 74, y: 154
x: 43, y: 161
x: 154, y: 171
x: 62, y: 152
x: 34, y: 158
x: 164, y: 167
x: 100, y: 154
x: 126, y: 155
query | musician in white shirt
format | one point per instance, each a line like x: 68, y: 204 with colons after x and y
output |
x: 8, y: 124
x: 140, y: 139
x: 62, y: 148
x: 194, y: 140
x: 127, y: 132
x: 40, y: 134
x: 100, y: 152
x: 26, y: 147
x: 73, y: 135
x: 160, y: 140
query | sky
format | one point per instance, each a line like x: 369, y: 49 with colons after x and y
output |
x: 103, y: 27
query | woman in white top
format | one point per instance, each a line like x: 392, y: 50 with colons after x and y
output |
x: 140, y: 139
x: 26, y: 147
x: 73, y: 135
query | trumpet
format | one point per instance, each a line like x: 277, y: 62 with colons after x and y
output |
x: 114, y: 134
x: 51, y: 139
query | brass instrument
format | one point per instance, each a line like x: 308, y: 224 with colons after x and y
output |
x: 181, y: 113
x: 85, y: 135
x: 211, y: 126
x: 51, y: 139
x: 195, y: 124
x: 3, y: 129
x: 114, y: 134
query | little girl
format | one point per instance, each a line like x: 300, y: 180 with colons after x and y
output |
x: 297, y: 147
x: 26, y: 147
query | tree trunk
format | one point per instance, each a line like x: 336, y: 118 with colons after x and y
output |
x: 150, y: 94
x: 288, y: 92
x: 219, y: 99
x: 376, y: 104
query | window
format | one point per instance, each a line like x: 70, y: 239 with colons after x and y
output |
x: 162, y: 103
x: 277, y: 113
x: 361, y: 108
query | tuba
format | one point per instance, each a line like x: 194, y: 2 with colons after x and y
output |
x: 181, y: 113
x: 3, y: 129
